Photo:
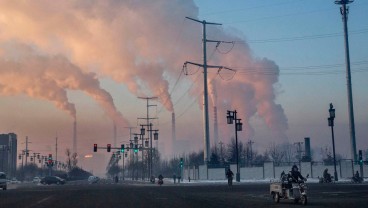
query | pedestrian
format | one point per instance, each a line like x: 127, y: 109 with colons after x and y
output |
x: 174, y: 177
x: 229, y: 176
x: 179, y: 177
x: 189, y: 178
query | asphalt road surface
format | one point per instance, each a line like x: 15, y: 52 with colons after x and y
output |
x: 135, y: 194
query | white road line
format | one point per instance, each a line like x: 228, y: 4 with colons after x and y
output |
x: 41, y: 201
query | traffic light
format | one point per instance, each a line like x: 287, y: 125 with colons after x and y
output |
x: 95, y: 148
x: 181, y: 162
x: 108, y: 147
x: 136, y: 148
x: 360, y: 157
x: 49, y: 163
x: 122, y: 149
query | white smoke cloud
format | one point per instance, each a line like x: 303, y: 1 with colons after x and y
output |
x: 136, y: 43
x: 48, y: 77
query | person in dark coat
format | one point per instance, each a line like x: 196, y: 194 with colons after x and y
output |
x: 295, y: 174
x: 326, y: 176
x: 229, y: 175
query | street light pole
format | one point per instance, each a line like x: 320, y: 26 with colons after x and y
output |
x: 331, y: 123
x: 231, y: 116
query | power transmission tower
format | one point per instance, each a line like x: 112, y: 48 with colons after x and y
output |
x: 149, y: 125
x: 205, y: 93
x: 344, y: 12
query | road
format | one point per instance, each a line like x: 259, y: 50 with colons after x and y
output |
x: 132, y: 194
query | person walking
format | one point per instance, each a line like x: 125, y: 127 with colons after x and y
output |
x: 229, y: 176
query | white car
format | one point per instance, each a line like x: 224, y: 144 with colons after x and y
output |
x: 14, y: 181
x: 36, y: 180
x: 93, y: 179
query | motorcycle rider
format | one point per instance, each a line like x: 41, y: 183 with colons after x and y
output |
x: 326, y: 176
x: 356, y: 177
x: 295, y: 174
x: 160, y: 179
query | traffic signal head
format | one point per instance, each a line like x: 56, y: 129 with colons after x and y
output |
x: 181, y: 162
x: 95, y: 148
x: 136, y: 148
x: 122, y: 149
x: 108, y: 147
x: 360, y: 157
x: 50, y: 160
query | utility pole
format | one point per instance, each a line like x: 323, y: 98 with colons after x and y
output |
x: 27, y: 149
x: 131, y: 156
x: 250, y: 143
x: 205, y: 92
x: 344, y: 10
x: 56, y: 150
x: 149, y: 125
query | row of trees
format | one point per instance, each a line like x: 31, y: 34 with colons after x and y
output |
x: 72, y: 171
x: 221, y: 156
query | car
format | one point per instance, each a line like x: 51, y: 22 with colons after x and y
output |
x: 14, y: 181
x: 3, y: 181
x: 93, y: 179
x: 52, y: 180
x: 36, y: 180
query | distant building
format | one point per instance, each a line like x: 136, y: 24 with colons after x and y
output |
x: 8, y: 154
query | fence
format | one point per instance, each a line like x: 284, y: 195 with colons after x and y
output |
x: 269, y: 170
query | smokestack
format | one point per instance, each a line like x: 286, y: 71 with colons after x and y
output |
x: 75, y: 136
x: 114, y: 135
x: 173, y: 126
x: 215, y: 128
x: 173, y: 131
x: 307, y: 149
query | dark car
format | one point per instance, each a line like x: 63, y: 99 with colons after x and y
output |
x: 52, y: 180
x: 3, y: 181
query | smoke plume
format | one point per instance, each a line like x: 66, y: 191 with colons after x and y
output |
x: 48, y: 77
x: 138, y: 43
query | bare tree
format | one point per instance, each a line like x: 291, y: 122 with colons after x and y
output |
x: 276, y: 153
x: 289, y: 150
x: 71, y: 159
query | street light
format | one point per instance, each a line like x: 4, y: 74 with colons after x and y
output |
x: 231, y: 116
x: 331, y: 123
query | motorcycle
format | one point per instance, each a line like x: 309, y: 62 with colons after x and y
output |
x: 356, y: 179
x: 282, y: 190
x: 326, y: 180
x: 160, y: 182
x: 152, y: 180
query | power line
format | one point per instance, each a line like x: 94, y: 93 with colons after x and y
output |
x: 232, y: 11
x: 301, y: 38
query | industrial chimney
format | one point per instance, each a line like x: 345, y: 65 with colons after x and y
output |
x: 307, y: 156
x: 173, y: 131
x: 215, y: 126
x: 115, y: 135
x: 75, y: 136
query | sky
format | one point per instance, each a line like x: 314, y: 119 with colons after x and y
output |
x: 92, y: 60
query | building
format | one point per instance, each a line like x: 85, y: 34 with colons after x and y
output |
x: 8, y: 154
